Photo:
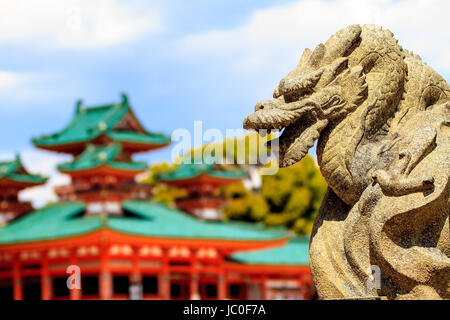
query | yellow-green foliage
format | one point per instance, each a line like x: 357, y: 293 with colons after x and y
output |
x: 155, y: 170
x: 167, y: 194
x: 249, y: 149
x: 244, y: 205
x: 290, y: 198
x: 162, y: 192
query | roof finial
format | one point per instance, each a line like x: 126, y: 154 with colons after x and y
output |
x: 124, y: 98
x: 103, y: 218
x: 17, y: 157
x: 78, y: 105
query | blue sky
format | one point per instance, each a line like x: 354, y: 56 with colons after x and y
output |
x: 166, y: 90
x: 179, y: 61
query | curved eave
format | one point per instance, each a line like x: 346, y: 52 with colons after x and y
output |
x: 108, y: 233
x: 220, y: 243
x: 21, y: 183
x: 135, y: 147
x: 70, y: 147
x: 270, y: 268
x: 78, y: 146
x: 46, y: 225
x: 107, y: 168
x: 202, y: 177
x: 144, y: 137
x: 89, y: 236
x: 43, y: 142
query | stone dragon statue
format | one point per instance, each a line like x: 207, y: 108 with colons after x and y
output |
x: 382, y: 120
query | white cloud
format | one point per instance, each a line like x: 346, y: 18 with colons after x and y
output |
x: 13, y: 82
x: 74, y: 23
x: 20, y: 86
x: 10, y: 79
x: 272, y: 39
x: 44, y: 163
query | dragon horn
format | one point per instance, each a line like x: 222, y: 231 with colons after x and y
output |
x: 316, y: 57
x: 339, y: 43
x: 305, y: 56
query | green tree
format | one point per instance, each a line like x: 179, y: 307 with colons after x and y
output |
x: 243, y: 204
x: 289, y: 198
x: 163, y: 192
x: 249, y: 149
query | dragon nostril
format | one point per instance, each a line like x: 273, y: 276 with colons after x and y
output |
x: 259, y: 106
x: 265, y: 105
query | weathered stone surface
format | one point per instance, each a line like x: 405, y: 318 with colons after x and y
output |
x: 382, y: 120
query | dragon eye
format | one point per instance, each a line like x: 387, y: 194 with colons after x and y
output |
x: 297, y: 95
x: 291, y: 97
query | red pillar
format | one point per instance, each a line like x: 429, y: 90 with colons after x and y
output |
x: 164, y: 277
x: 17, y: 279
x: 301, y: 290
x: 75, y: 294
x: 136, y: 271
x: 221, y: 279
x: 136, y: 276
x: 46, y: 293
x: 264, y: 287
x: 105, y: 274
x: 194, y: 294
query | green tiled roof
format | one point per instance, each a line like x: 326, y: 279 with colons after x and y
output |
x: 52, y: 222
x: 148, y: 138
x: 153, y: 219
x: 191, y: 170
x: 95, y: 156
x: 295, y: 252
x: 89, y: 123
x: 164, y: 221
x: 14, y: 170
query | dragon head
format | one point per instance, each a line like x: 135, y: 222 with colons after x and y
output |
x: 321, y: 90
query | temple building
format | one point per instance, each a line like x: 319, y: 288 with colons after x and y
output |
x: 106, y: 239
x: 103, y: 176
x: 201, y: 182
x: 13, y: 179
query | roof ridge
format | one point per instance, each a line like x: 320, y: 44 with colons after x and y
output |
x: 95, y: 155
x: 9, y: 167
x: 102, y: 106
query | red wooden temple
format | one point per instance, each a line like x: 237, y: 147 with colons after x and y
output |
x: 129, y: 247
x: 201, y: 183
x: 14, y: 178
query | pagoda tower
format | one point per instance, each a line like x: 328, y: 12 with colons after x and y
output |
x: 202, y: 181
x: 14, y: 178
x: 102, y: 140
x: 129, y: 248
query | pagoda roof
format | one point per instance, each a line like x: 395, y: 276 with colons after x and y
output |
x: 191, y: 170
x: 152, y: 219
x: 14, y: 171
x: 101, y: 156
x: 89, y: 123
x: 295, y: 252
